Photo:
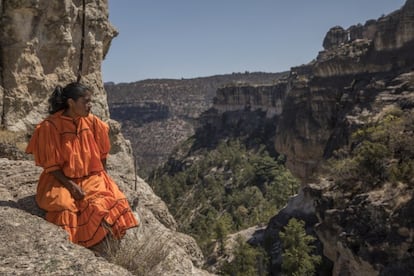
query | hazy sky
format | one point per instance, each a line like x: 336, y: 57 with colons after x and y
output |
x: 197, y: 38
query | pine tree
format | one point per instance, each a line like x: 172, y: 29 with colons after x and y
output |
x: 297, y: 249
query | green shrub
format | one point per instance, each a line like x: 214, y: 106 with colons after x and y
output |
x: 381, y: 151
x: 297, y: 259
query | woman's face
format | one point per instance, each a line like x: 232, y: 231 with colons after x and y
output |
x: 82, y: 106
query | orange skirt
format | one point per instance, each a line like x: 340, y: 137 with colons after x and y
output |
x: 83, y: 219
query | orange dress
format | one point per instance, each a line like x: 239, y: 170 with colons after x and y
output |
x: 77, y: 147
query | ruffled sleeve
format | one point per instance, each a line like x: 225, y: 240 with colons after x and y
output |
x: 101, y: 134
x: 45, y: 146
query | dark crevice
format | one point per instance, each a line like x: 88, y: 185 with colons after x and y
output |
x: 3, y: 11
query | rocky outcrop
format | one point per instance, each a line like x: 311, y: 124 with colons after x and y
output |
x: 378, y: 46
x: 335, y: 37
x: 39, y: 49
x: 368, y: 233
x: 268, y: 98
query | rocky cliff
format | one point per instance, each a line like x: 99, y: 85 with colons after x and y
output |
x: 39, y: 49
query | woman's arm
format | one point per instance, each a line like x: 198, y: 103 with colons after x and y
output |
x: 104, y: 163
x: 72, y: 187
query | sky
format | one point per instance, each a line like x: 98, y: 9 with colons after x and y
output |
x: 198, y: 38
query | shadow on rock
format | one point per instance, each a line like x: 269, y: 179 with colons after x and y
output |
x: 29, y: 205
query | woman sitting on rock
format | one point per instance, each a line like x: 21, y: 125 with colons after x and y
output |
x: 72, y: 145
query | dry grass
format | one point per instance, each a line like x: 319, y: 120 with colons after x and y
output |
x: 140, y: 257
x: 10, y: 137
x: 14, y: 138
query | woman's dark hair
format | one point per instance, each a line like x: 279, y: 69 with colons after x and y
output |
x: 59, y: 98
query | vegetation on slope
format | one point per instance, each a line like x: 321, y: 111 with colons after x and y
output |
x: 381, y: 151
x: 222, y: 190
x: 247, y: 261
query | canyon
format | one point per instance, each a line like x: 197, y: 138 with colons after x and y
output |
x: 308, y: 113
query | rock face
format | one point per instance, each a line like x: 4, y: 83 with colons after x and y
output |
x: 335, y: 37
x: 378, y: 46
x: 39, y: 49
x: 269, y: 98
x: 367, y: 233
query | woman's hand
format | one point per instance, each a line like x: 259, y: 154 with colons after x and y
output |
x: 73, y: 188
x: 76, y: 191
